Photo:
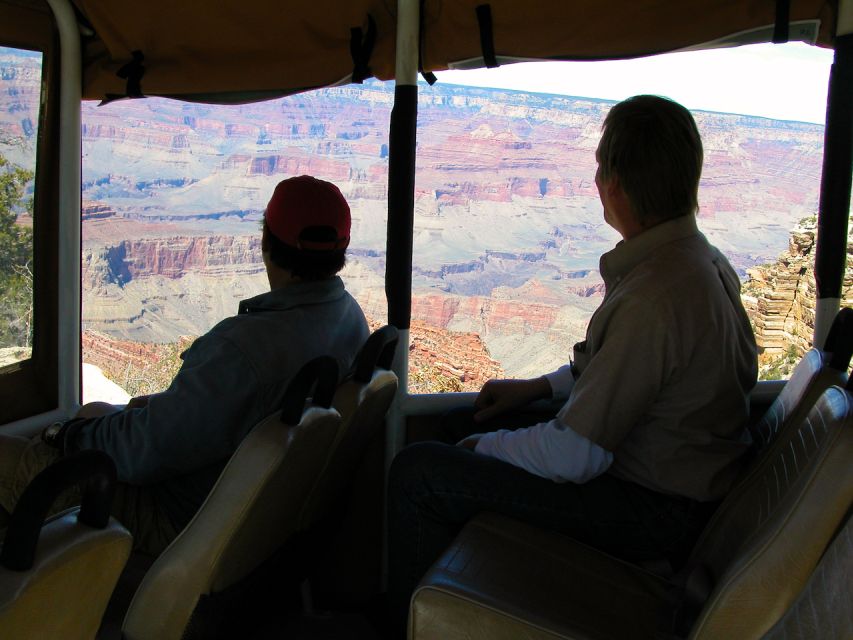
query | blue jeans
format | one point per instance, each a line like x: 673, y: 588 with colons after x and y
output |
x: 435, y: 488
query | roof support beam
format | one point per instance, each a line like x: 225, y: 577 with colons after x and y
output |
x: 402, y: 139
x: 833, y: 214
x: 401, y: 167
x: 401, y: 204
x: 68, y: 393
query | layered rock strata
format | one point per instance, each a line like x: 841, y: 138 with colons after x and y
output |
x: 441, y: 360
x: 780, y: 297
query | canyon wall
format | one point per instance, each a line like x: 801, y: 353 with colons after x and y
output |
x: 508, y: 228
x: 780, y: 296
x: 171, y: 258
x: 458, y: 340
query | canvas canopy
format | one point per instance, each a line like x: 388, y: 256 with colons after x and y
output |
x: 239, y: 50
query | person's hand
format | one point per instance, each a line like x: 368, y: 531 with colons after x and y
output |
x: 470, y: 442
x: 96, y: 410
x: 138, y: 402
x: 500, y: 396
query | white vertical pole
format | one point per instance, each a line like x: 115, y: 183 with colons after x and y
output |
x: 406, y: 75
x: 835, y: 187
x: 408, y: 29
x: 68, y: 392
x: 401, y: 185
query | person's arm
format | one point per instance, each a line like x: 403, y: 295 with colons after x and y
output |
x: 200, y: 419
x: 624, y: 378
x: 138, y: 402
x: 548, y: 449
x: 562, y: 381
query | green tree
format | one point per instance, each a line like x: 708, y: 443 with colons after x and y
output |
x: 16, y: 256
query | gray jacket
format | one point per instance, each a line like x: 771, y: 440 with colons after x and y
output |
x: 231, y: 378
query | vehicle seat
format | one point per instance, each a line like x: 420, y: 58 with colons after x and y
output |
x: 344, y: 511
x: 815, y: 372
x: 56, y: 576
x: 505, y: 579
x: 823, y: 608
x: 250, y: 513
x: 362, y: 400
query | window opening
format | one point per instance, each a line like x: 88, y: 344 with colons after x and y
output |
x: 507, y: 223
x: 20, y: 91
x: 509, y: 228
x: 173, y: 195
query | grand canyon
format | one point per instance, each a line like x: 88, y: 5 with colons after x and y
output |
x: 508, y: 226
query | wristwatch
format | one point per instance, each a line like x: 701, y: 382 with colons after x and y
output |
x: 53, y: 434
x: 62, y: 434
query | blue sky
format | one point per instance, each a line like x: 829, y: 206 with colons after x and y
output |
x: 785, y: 82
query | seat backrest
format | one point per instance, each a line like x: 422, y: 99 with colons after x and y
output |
x: 250, y: 513
x: 824, y: 608
x: 363, y: 400
x: 809, y: 379
x: 56, y: 577
x: 817, y: 371
x: 766, y: 537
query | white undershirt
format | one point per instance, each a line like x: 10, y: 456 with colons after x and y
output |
x: 549, y: 449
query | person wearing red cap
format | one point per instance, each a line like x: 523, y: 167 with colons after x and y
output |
x: 169, y: 448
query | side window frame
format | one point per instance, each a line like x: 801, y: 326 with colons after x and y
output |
x: 30, y: 387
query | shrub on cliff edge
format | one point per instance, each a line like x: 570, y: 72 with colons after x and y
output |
x: 16, y: 255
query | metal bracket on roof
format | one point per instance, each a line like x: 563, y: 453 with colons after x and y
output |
x: 429, y: 76
x: 132, y: 72
x: 487, y: 38
x: 361, y: 48
x: 783, y: 17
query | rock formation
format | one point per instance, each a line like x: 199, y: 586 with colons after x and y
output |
x: 171, y: 258
x: 140, y: 368
x: 441, y: 360
x: 508, y: 227
x: 780, y: 297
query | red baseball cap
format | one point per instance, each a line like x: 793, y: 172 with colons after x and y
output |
x: 303, y: 202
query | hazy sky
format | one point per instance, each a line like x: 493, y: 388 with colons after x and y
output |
x: 786, y: 82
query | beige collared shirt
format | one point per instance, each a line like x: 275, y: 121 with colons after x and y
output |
x: 664, y: 374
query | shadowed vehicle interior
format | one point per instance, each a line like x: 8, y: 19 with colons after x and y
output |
x: 291, y: 542
x: 252, y: 511
x: 505, y: 579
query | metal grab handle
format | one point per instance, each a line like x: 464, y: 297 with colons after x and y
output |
x: 378, y: 351
x: 94, y: 468
x: 321, y: 375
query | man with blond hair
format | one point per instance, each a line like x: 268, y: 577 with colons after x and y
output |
x: 653, y: 430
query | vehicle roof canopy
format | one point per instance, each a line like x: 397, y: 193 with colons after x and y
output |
x: 235, y: 51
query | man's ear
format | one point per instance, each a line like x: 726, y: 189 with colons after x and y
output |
x: 616, y: 192
x: 613, y: 186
